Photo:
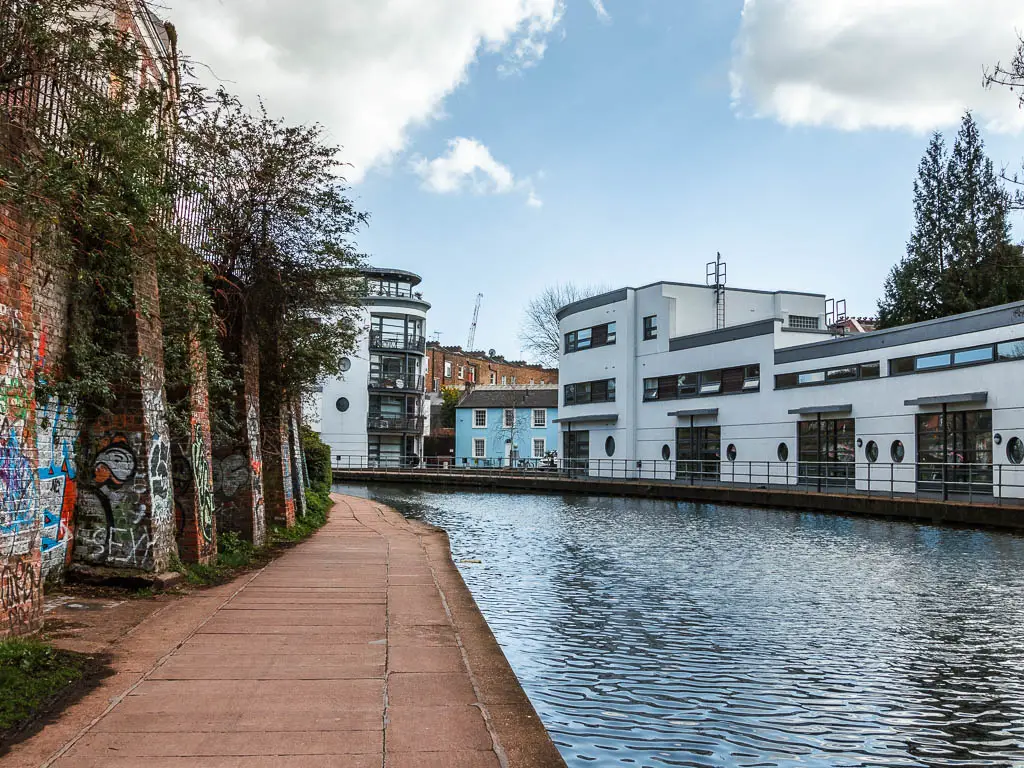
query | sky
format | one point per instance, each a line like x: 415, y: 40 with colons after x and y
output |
x: 501, y: 146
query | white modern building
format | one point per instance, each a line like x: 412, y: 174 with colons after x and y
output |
x: 719, y: 384
x: 377, y: 408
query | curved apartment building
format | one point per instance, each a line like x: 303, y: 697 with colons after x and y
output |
x: 377, y: 407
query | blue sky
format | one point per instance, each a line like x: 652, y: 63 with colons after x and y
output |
x: 628, y: 146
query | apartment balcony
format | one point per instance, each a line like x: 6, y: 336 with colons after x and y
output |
x: 398, y: 382
x: 397, y: 342
x: 393, y: 291
x: 407, y: 425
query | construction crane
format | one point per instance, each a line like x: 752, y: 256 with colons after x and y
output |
x: 472, y: 327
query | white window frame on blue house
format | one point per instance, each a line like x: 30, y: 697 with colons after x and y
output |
x: 479, y: 448
x: 509, y: 418
x: 542, y: 422
x: 476, y: 424
x: 543, y: 447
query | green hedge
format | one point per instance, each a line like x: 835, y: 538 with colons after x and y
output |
x: 318, y: 458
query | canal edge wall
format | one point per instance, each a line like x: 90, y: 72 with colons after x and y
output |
x: 521, y: 738
x: 925, y: 511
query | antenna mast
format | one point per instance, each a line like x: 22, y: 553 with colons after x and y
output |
x: 472, y: 327
x: 715, y: 276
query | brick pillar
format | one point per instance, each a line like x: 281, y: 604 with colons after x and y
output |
x: 125, y: 510
x: 56, y: 419
x: 275, y: 429
x: 238, y: 462
x: 21, y: 594
x: 298, y: 467
x: 192, y: 469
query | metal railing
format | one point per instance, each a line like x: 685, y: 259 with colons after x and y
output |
x: 399, y: 424
x: 411, y: 382
x: 393, y: 341
x: 399, y: 292
x: 985, y: 483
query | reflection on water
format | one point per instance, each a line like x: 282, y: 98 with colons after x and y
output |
x: 651, y: 633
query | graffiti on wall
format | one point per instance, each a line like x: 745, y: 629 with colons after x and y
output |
x: 202, y: 476
x: 193, y: 487
x: 58, y: 485
x: 19, y: 582
x: 252, y: 427
x: 18, y: 520
x: 113, y: 526
x: 297, y: 475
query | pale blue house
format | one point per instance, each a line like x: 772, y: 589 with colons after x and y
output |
x: 498, y: 425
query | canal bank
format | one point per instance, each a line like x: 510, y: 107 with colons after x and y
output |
x: 1005, y: 514
x: 360, y: 647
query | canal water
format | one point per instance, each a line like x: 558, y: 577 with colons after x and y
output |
x: 652, y: 633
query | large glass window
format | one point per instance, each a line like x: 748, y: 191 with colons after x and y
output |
x: 931, y: 362
x: 937, y: 361
x: 586, y: 338
x: 577, y: 451
x: 479, y: 418
x: 698, y: 452
x: 590, y: 392
x: 826, y: 448
x: 710, y: 382
x: 954, y: 452
x: 838, y: 375
x: 1011, y: 350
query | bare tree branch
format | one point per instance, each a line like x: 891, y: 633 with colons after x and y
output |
x: 539, y: 329
x: 1011, y: 76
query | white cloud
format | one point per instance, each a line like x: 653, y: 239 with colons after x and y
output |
x: 914, y: 64
x: 599, y: 8
x: 468, y: 164
x: 367, y: 69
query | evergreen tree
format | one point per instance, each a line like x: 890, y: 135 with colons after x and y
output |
x: 979, y: 227
x: 959, y: 256
x: 913, y: 290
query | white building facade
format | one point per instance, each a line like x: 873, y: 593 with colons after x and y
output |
x: 377, y: 408
x: 672, y: 383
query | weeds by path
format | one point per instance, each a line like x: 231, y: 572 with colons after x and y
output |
x: 235, y: 555
x: 32, y: 675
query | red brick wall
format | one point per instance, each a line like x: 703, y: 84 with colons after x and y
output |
x: 20, y: 529
x: 523, y: 374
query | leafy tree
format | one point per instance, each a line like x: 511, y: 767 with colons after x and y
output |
x: 450, y: 397
x: 539, y: 330
x: 1011, y: 76
x: 280, y: 227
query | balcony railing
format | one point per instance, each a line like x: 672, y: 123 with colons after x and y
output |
x: 397, y: 341
x: 393, y: 292
x: 400, y: 381
x: 377, y: 422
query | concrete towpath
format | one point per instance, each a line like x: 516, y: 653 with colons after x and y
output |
x: 360, y: 647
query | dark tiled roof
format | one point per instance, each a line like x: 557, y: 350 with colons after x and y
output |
x: 505, y: 398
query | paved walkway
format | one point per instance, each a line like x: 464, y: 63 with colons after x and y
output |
x: 354, y: 649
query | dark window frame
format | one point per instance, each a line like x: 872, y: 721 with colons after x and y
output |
x: 650, y: 328
x: 824, y: 372
x: 953, y: 365
x: 587, y: 392
x: 603, y: 335
x: 674, y: 386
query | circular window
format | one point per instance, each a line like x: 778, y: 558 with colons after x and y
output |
x: 666, y: 452
x: 1015, y: 450
x: 346, y: 364
x: 898, y: 452
x: 342, y: 404
x: 871, y: 451
x: 609, y: 446
x: 783, y: 452
x: 730, y: 452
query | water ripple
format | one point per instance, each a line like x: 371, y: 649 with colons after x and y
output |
x: 658, y: 634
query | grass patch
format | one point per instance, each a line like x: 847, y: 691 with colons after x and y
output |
x: 235, y: 555
x: 32, y: 675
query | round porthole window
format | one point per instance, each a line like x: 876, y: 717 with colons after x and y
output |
x: 871, y: 451
x: 342, y: 404
x: 666, y: 452
x: 730, y: 452
x: 1015, y: 450
x: 609, y: 446
x: 783, y: 452
x: 898, y: 452
x: 346, y: 364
